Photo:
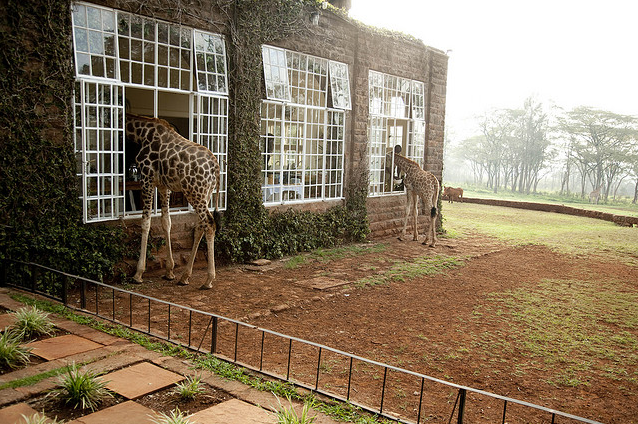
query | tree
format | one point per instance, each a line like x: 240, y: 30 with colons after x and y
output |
x: 602, y: 145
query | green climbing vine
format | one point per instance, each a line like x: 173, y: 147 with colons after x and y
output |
x: 250, y: 231
x: 40, y: 210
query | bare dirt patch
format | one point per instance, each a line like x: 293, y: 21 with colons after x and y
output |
x: 445, y: 325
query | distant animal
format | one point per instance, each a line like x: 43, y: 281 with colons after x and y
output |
x: 453, y: 194
x: 594, y: 196
x: 170, y: 162
x: 418, y: 183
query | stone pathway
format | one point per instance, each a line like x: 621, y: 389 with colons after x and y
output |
x: 132, y: 372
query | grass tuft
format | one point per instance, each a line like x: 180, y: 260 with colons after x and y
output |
x: 12, y: 354
x: 31, y: 322
x: 81, y: 389
x: 175, y: 417
x: 189, y: 388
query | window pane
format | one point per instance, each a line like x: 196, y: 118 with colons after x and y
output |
x: 275, y: 73
x: 93, y: 34
x: 210, y: 61
x: 340, y: 85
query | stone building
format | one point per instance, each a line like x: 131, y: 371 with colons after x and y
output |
x: 335, y: 95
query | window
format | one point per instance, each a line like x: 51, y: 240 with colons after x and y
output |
x: 127, y: 62
x: 94, y: 36
x: 302, y: 138
x: 397, y: 116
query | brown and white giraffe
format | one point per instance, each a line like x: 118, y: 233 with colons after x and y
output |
x: 170, y: 162
x: 418, y: 183
x: 594, y: 196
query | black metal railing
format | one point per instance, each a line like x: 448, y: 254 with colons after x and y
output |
x: 391, y: 392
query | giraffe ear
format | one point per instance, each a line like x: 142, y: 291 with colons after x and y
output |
x: 397, y: 148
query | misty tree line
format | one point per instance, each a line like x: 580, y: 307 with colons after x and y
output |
x: 590, y: 149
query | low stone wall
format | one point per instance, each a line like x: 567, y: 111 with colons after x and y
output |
x: 625, y: 221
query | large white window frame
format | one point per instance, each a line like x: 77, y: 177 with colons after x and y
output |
x: 302, y: 138
x: 396, y: 117
x: 114, y: 50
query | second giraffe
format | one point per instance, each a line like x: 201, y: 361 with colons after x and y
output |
x: 418, y: 183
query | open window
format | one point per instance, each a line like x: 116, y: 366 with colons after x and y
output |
x: 397, y: 117
x: 302, y: 126
x: 130, y: 63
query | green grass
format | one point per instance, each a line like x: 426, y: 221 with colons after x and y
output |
x: 327, y: 255
x: 574, y: 328
x: 564, y: 233
x: 33, y: 379
x: 421, y: 266
x: 622, y: 206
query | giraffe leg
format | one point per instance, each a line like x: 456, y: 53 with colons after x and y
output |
x: 210, y: 243
x: 147, y: 197
x: 407, y: 213
x: 183, y: 280
x: 141, y: 263
x: 415, y: 213
x: 166, y: 225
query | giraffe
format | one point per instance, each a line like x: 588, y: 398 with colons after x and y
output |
x: 594, y: 196
x: 169, y: 162
x: 418, y: 183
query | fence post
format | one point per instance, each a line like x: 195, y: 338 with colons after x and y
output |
x: 65, y: 283
x: 35, y: 273
x: 213, y: 342
x: 462, y: 393
x: 4, y: 273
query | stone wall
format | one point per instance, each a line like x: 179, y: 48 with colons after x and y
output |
x: 362, y: 48
x: 625, y: 221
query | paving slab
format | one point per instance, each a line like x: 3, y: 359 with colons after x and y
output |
x: 126, y: 412
x: 62, y: 346
x: 140, y: 379
x: 14, y: 414
x: 233, y: 411
x: 321, y: 283
x: 6, y: 320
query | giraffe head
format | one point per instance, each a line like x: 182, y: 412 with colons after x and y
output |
x: 390, y: 160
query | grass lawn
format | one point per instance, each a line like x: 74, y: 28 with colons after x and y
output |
x: 564, y: 233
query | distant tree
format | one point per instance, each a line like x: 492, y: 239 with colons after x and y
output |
x: 602, y: 144
x: 533, y: 146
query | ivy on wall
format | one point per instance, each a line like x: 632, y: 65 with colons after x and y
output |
x: 40, y: 211
x: 250, y: 231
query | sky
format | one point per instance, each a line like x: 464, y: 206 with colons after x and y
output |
x: 569, y: 53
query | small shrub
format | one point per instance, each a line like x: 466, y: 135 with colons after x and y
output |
x: 175, y: 417
x: 12, y: 355
x: 81, y: 389
x: 288, y: 415
x: 38, y: 418
x: 32, y: 322
x: 189, y: 388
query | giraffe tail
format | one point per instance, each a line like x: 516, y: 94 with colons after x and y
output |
x: 217, y: 217
x: 433, y: 211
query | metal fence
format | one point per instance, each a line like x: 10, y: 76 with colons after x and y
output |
x: 388, y: 391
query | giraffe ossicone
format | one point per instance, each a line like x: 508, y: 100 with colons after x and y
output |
x: 169, y: 162
x: 418, y: 183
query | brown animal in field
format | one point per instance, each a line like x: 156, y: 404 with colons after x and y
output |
x: 453, y: 193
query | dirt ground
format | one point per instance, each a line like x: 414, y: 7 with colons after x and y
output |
x: 439, y: 325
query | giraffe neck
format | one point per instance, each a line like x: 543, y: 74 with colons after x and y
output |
x: 141, y: 130
x: 404, y: 164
